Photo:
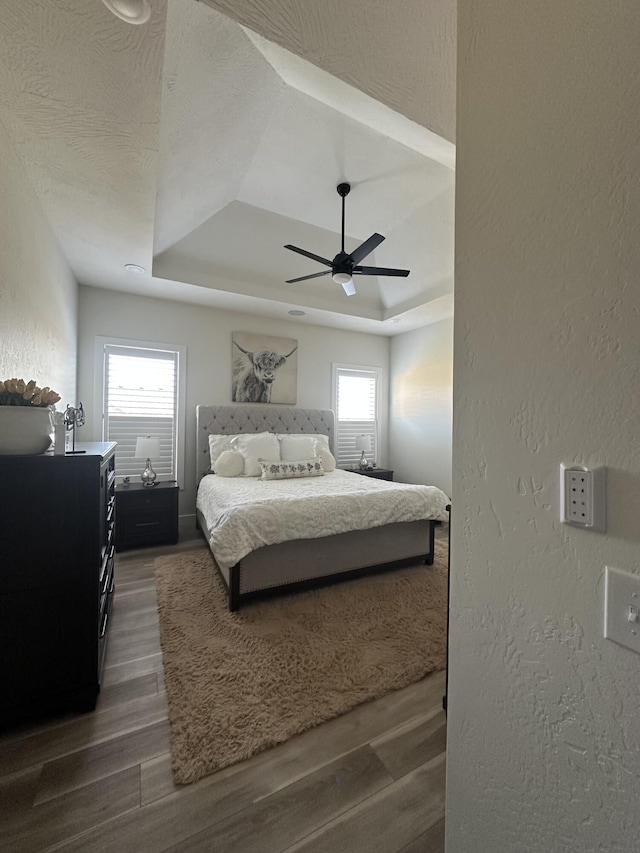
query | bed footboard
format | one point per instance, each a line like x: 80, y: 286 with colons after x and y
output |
x: 305, y: 563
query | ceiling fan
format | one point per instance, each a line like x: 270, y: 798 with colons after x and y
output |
x: 344, y: 266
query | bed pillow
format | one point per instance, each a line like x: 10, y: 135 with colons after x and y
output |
x: 327, y: 458
x: 293, y: 447
x: 319, y: 437
x: 217, y: 445
x: 272, y: 470
x: 260, y: 445
x: 230, y: 463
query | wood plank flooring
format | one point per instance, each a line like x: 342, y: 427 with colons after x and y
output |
x: 371, y: 780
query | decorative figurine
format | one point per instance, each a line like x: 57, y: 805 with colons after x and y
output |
x: 73, y: 417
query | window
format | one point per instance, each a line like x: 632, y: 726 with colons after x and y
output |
x: 355, y: 396
x: 141, y: 390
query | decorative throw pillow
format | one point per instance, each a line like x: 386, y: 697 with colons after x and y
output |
x: 217, y: 445
x: 229, y: 464
x: 286, y: 470
x: 260, y: 445
x: 327, y: 458
x: 293, y: 447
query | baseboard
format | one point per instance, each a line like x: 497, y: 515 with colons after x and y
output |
x: 187, y: 527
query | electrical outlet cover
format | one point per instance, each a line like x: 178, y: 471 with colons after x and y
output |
x: 579, y: 496
x: 583, y: 497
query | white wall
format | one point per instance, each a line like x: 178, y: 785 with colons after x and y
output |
x: 421, y: 395
x: 543, y: 729
x: 206, y: 333
x: 38, y: 294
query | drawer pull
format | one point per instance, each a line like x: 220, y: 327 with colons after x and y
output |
x: 103, y: 628
x: 148, y: 524
x: 107, y: 566
x: 104, y: 568
x: 105, y: 583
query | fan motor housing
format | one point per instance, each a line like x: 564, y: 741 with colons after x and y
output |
x: 342, y: 263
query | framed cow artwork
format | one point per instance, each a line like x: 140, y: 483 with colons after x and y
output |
x: 265, y: 369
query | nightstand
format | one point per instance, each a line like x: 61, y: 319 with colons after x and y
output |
x: 146, y: 515
x: 376, y: 473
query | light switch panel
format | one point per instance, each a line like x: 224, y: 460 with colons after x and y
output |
x: 622, y: 608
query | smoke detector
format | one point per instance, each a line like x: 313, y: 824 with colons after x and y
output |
x: 131, y: 11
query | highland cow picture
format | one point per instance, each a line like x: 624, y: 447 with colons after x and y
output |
x: 265, y: 369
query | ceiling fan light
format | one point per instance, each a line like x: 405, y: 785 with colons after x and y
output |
x: 341, y: 277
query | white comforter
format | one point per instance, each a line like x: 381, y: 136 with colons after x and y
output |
x: 245, y: 513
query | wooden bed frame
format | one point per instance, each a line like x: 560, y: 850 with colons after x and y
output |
x: 304, y: 563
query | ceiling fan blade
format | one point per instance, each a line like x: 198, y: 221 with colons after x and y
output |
x: 366, y: 248
x: 309, y: 255
x: 349, y: 288
x: 379, y: 271
x: 305, y: 277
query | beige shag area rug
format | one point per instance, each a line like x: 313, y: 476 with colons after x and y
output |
x: 240, y: 682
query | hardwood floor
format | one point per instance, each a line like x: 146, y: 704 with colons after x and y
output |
x: 371, y: 780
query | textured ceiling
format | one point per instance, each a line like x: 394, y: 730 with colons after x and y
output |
x: 196, y: 147
x: 400, y: 52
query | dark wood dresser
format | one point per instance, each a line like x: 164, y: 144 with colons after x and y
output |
x: 56, y: 579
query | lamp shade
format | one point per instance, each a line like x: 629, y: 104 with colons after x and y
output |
x: 363, y: 442
x: 147, y: 447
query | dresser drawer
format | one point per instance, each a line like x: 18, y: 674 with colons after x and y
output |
x: 106, y: 572
x: 106, y: 605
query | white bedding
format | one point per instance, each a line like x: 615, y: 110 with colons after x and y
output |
x: 245, y: 513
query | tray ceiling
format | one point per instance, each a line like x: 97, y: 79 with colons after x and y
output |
x: 197, y: 148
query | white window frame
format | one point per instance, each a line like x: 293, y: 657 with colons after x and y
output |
x: 99, y: 389
x: 351, y: 460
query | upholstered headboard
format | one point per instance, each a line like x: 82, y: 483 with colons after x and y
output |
x: 228, y: 420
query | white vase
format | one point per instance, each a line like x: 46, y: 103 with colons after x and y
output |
x: 25, y: 430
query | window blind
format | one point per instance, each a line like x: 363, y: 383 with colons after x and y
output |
x: 356, y: 414
x: 141, y: 399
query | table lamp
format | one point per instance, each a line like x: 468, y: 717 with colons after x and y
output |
x: 363, y: 443
x: 148, y: 448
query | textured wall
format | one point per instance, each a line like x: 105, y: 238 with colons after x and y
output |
x: 543, y: 735
x: 38, y: 294
x: 421, y: 395
x: 206, y: 332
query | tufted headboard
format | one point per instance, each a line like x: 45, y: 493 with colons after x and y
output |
x: 228, y: 420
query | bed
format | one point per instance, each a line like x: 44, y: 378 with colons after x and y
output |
x: 358, y: 524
